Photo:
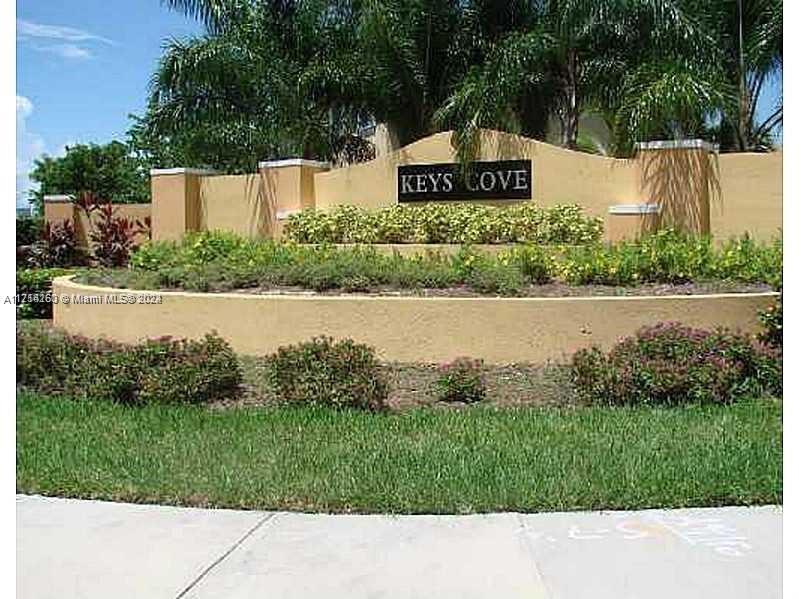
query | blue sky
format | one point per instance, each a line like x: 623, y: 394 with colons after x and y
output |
x: 83, y: 66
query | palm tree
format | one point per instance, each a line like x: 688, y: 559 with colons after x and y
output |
x: 242, y: 83
x: 713, y: 89
x: 566, y: 58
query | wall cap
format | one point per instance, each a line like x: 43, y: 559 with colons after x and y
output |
x: 284, y: 214
x: 634, y: 209
x: 183, y: 171
x: 677, y: 144
x: 55, y: 199
x: 293, y: 162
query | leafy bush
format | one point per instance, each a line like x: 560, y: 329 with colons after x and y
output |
x: 673, y: 364
x: 34, y: 291
x: 445, y: 223
x: 29, y: 229
x: 157, y: 371
x: 327, y: 372
x: 771, y: 319
x: 58, y: 247
x: 461, y: 380
x: 672, y: 257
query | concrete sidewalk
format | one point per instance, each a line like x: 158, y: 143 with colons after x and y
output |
x: 70, y: 548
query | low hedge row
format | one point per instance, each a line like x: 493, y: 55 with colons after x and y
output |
x: 216, y: 261
x: 157, y: 371
x: 666, y: 364
x: 442, y: 223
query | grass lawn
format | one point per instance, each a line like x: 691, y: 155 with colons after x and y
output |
x: 432, y: 460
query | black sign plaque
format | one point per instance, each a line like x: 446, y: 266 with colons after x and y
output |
x: 496, y: 180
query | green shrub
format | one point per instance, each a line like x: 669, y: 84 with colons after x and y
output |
x: 461, y: 380
x: 34, y: 291
x: 673, y: 364
x: 445, y: 223
x: 157, y: 371
x: 327, y: 372
x: 29, y: 229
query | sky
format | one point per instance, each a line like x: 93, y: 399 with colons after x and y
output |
x: 84, y: 65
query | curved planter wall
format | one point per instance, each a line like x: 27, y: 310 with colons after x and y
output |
x: 408, y: 329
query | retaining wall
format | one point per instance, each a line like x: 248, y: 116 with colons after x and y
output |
x: 407, y: 329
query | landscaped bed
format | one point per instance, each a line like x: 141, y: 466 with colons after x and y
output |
x: 666, y: 263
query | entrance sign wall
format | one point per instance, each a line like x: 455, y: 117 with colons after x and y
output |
x: 692, y: 186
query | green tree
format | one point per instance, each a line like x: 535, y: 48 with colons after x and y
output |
x: 567, y: 58
x: 109, y: 170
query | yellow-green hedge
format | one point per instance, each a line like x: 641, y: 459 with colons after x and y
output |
x: 442, y: 223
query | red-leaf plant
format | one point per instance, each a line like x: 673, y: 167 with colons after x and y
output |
x: 113, y: 237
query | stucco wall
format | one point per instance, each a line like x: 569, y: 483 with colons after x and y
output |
x: 236, y: 203
x: 748, y: 197
x: 499, y: 330
x: 559, y: 176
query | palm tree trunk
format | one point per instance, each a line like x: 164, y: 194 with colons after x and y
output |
x: 743, y: 89
x: 570, y: 113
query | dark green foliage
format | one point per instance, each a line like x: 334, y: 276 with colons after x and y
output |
x: 29, y: 229
x: 157, y: 371
x: 111, y: 171
x: 673, y: 364
x: 327, y: 372
x: 34, y: 291
x: 461, y: 380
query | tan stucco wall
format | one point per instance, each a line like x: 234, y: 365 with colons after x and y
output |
x: 499, y: 330
x: 559, y: 176
x: 749, y: 196
x: 55, y: 212
x: 170, y: 213
x: 236, y: 203
x: 696, y: 189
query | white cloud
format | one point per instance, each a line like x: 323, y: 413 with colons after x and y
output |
x: 29, y: 29
x: 67, y: 42
x: 29, y: 146
x: 67, y: 51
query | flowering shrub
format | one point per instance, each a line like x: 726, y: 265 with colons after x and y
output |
x: 673, y: 364
x: 327, y: 372
x: 445, y: 223
x: 158, y: 371
x: 461, y: 380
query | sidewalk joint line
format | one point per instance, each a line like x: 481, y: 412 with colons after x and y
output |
x: 222, y: 557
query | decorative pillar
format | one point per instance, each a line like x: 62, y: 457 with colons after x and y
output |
x: 289, y: 188
x: 175, y: 201
x: 679, y: 177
